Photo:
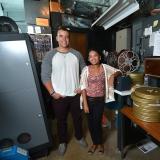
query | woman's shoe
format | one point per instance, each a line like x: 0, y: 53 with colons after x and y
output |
x: 100, y: 149
x: 92, y: 149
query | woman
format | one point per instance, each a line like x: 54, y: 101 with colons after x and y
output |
x: 97, y: 88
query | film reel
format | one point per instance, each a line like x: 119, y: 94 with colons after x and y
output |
x: 128, y: 61
x: 111, y: 58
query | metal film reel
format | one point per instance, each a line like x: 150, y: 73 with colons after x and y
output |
x: 111, y: 58
x: 128, y: 61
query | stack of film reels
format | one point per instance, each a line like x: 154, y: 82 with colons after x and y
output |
x: 146, y: 103
x: 136, y: 78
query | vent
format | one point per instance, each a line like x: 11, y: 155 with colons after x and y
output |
x: 117, y: 12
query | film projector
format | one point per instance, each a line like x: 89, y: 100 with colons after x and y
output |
x: 128, y: 62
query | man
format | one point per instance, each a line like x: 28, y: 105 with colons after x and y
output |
x: 60, y: 75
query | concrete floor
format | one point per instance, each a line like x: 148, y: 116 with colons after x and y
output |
x: 75, y: 152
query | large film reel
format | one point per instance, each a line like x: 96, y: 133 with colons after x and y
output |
x: 128, y: 61
x: 111, y: 58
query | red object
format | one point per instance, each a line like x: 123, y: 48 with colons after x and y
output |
x: 104, y: 120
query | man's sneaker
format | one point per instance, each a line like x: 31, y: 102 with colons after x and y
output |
x: 62, y: 148
x: 82, y: 142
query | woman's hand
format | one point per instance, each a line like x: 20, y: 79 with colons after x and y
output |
x: 86, y: 108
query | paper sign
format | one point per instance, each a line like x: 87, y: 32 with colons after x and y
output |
x: 37, y: 29
x: 30, y: 30
x: 148, y: 31
x: 156, y: 49
x: 155, y: 23
x: 151, y: 40
x: 146, y: 146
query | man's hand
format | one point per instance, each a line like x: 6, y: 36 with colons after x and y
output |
x: 78, y: 91
x: 57, y: 96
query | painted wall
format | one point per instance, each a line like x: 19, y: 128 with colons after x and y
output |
x: 1, y: 11
x: 19, y: 18
x: 37, y: 9
x: 34, y: 9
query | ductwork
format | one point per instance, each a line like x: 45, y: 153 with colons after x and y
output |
x: 119, y: 10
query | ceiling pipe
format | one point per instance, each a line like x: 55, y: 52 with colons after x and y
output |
x: 2, y: 7
x: 93, y: 3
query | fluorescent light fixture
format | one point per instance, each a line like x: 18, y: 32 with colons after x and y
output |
x: 117, y: 12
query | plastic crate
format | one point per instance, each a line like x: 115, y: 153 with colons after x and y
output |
x: 13, y: 153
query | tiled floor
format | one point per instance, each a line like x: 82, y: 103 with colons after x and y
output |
x: 75, y: 152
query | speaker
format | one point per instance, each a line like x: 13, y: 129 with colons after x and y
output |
x: 123, y: 83
x: 8, y: 25
x: 22, y: 115
x: 123, y: 39
x: 151, y: 66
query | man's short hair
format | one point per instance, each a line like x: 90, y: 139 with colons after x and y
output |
x: 62, y: 28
